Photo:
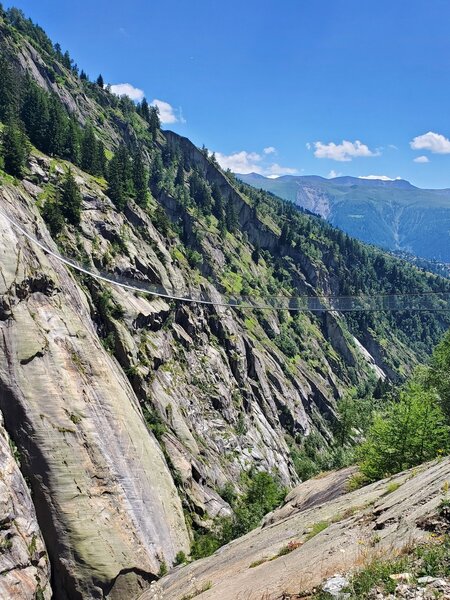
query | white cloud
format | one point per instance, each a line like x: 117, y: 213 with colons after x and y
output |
x: 252, y: 162
x: 435, y: 142
x: 270, y: 150
x: 332, y: 174
x: 240, y: 162
x: 276, y: 170
x: 381, y: 177
x: 343, y: 152
x: 126, y: 89
x: 422, y: 159
x: 167, y: 113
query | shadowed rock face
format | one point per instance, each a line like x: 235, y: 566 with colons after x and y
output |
x: 372, y: 521
x: 103, y: 493
x: 24, y: 564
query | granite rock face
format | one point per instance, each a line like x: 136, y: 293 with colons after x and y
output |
x: 370, y: 522
x: 104, y: 496
x: 24, y: 563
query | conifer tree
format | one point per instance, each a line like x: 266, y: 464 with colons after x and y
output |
x: 154, y: 122
x: 145, y: 110
x: 66, y: 60
x: 72, y: 144
x: 231, y: 219
x: 100, y: 82
x: 35, y: 114
x: 179, y: 177
x: 9, y: 93
x: 140, y: 179
x: 115, y: 182
x: 14, y: 149
x: 52, y: 215
x: 99, y: 164
x: 256, y: 254
x: 71, y: 199
x: 56, y: 129
x: 156, y: 173
x: 88, y: 149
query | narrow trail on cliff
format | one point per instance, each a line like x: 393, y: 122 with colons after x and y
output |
x: 411, y: 301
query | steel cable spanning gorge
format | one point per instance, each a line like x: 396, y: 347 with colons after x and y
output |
x: 413, y: 301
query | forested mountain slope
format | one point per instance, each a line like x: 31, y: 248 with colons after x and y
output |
x: 392, y: 214
x: 138, y: 418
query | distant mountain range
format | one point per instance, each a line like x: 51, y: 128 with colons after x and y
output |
x: 392, y: 214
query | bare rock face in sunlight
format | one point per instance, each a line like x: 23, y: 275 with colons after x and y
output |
x: 102, y: 490
x: 300, y: 548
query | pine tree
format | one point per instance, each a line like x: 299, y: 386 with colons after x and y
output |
x: 179, y: 177
x: 140, y: 179
x: 154, y: 122
x: 100, y: 159
x: 200, y: 192
x: 256, y: 254
x: 231, y: 219
x: 71, y: 199
x: 115, y: 182
x: 56, y: 128
x: 156, y: 173
x: 72, y: 144
x: 83, y: 76
x: 9, y: 92
x: 100, y: 82
x: 52, y: 215
x: 88, y: 149
x: 145, y: 110
x: 15, y: 149
x: 66, y: 60
x: 35, y: 114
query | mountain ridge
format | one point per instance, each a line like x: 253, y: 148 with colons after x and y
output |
x: 394, y: 215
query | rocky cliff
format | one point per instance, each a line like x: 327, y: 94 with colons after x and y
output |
x: 24, y: 564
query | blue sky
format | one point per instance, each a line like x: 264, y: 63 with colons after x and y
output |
x: 280, y: 86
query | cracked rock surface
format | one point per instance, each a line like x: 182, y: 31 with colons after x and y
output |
x: 24, y: 564
x: 367, y: 522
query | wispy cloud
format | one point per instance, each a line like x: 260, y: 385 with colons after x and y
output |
x: 270, y: 150
x: 422, y: 159
x: 434, y: 142
x: 126, y: 89
x: 381, y: 177
x: 343, y: 152
x: 253, y: 162
x: 332, y: 174
x: 167, y: 113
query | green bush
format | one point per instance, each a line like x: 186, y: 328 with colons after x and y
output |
x: 264, y: 493
x: 409, y: 432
